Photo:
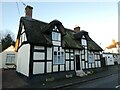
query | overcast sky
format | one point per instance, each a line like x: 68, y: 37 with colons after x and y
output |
x: 100, y: 19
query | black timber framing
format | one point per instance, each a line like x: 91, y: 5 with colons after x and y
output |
x: 31, y: 61
x: 52, y: 58
x: 45, y: 68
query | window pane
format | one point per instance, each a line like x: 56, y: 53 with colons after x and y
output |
x: 55, y: 59
x: 91, y: 58
x: 53, y: 35
x: 83, y: 42
x: 59, y: 60
x: 58, y: 53
x: 55, y: 53
x: 10, y: 59
x: 58, y: 57
x: 56, y: 36
x: 62, y: 59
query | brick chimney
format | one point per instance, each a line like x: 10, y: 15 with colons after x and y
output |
x: 28, y: 11
x: 77, y: 29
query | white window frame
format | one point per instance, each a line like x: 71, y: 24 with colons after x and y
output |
x: 58, y: 58
x: 56, y: 36
x: 10, y: 59
x: 91, y: 58
x: 84, y: 42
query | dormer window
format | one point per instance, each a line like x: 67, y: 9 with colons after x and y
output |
x: 56, y: 36
x: 83, y: 41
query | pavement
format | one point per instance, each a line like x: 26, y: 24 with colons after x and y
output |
x: 10, y: 79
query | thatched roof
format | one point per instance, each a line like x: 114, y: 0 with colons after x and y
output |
x: 69, y: 40
x: 92, y: 46
x: 39, y: 33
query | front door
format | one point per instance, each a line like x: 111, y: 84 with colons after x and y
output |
x: 77, y: 62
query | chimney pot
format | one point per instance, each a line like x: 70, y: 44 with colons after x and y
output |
x: 77, y: 29
x: 28, y: 11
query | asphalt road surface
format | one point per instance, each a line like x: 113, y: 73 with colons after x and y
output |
x: 105, y: 82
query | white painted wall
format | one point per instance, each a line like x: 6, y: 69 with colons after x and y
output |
x: 39, y: 47
x: 49, y: 53
x: 109, y: 59
x: 39, y: 56
x: 83, y: 65
x: 49, y: 67
x: 23, y: 59
x: 67, y: 55
x: 55, y: 68
x: 72, y: 65
x: 38, y: 67
x: 67, y: 65
x: 56, y: 43
x: 61, y: 67
x: 4, y: 57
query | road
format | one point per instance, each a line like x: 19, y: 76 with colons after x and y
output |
x: 105, y: 82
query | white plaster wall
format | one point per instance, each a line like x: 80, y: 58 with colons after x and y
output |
x: 38, y: 67
x: 67, y: 55
x: 55, y: 48
x: 39, y: 47
x: 39, y: 56
x: 67, y: 65
x: 61, y: 49
x: 49, y: 53
x: 71, y: 56
x: 93, y: 65
x: 61, y: 67
x: 49, y: 67
x: 89, y: 65
x: 99, y: 64
x: 56, y: 43
x: 72, y: 65
x: 83, y: 65
x: 86, y: 65
x: 118, y: 59
x: 4, y: 56
x: 67, y: 50
x: 55, y: 68
x: 23, y: 58
x: 96, y: 64
x: 77, y: 52
x: 109, y: 61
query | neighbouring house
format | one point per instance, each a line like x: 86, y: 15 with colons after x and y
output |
x: 8, y: 57
x: 116, y: 57
x: 114, y: 47
x: 50, y: 48
x: 109, y: 60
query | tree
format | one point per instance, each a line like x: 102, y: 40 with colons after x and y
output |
x: 7, y: 40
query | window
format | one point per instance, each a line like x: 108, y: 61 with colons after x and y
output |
x: 56, y: 36
x: 58, y: 57
x: 10, y: 59
x: 83, y: 42
x: 91, y: 58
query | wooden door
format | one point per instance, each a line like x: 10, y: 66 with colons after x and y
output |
x: 77, y: 62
